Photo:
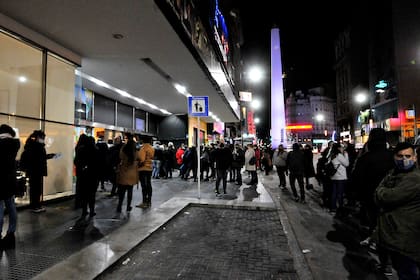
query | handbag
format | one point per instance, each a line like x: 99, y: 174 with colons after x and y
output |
x: 330, y: 169
x: 252, y: 160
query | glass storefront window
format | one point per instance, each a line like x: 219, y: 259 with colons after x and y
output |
x: 124, y: 115
x: 20, y: 78
x: 83, y: 103
x: 59, y: 139
x: 60, y: 90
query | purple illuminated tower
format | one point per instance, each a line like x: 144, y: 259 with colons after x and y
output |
x: 278, y: 116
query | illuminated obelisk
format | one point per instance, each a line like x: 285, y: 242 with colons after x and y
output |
x: 278, y: 116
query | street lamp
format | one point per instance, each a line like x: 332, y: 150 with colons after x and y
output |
x: 256, y: 104
x: 319, y: 117
x: 255, y: 74
x: 361, y: 97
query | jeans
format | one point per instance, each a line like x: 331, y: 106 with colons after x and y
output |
x: 9, y: 203
x: 221, y: 175
x: 281, y: 170
x: 238, y: 175
x: 299, y: 178
x: 406, y: 267
x: 337, y: 193
x: 121, y: 194
x: 156, y: 168
x: 146, y: 185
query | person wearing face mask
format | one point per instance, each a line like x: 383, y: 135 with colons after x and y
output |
x: 34, y: 163
x: 398, y: 226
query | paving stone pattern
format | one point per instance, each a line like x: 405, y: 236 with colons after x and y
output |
x: 211, y: 243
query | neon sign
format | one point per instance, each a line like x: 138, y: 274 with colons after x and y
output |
x: 299, y: 127
x: 220, y: 31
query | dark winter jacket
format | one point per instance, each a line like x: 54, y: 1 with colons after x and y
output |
x: 398, y: 197
x: 296, y: 162
x: 8, y: 150
x: 87, y: 165
x: 34, y: 159
x: 369, y: 170
x: 223, y: 158
x: 238, y: 158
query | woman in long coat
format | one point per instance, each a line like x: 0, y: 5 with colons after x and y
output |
x: 309, y: 165
x: 251, y: 168
x: 127, y: 175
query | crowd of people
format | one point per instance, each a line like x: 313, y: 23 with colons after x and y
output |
x: 381, y: 182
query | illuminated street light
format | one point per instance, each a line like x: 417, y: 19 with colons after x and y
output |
x: 255, y: 74
x: 361, y: 97
x: 319, y: 117
x: 256, y: 104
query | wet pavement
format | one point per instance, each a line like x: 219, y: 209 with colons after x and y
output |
x: 309, y: 242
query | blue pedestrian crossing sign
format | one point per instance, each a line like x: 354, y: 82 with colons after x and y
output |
x: 198, y: 106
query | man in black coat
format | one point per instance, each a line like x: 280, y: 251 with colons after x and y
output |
x: 9, y: 147
x: 34, y: 161
x: 296, y: 165
x: 114, y: 161
x: 223, y: 158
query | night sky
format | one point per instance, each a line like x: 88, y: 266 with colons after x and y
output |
x: 307, y: 33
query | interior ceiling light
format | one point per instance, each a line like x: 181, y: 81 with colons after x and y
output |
x: 22, y: 79
x: 120, y: 92
x: 117, y: 36
x: 180, y: 89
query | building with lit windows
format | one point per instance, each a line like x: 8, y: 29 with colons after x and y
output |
x: 104, y: 69
x: 310, y: 116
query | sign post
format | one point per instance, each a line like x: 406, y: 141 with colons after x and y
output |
x: 198, y: 106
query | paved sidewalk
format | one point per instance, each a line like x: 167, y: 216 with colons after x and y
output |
x: 212, y: 243
x: 309, y: 243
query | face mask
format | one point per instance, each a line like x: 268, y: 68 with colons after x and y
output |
x: 42, y: 141
x: 404, y: 164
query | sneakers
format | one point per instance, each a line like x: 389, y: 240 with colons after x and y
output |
x: 143, y: 205
x: 386, y: 269
x: 38, y: 210
x: 365, y: 242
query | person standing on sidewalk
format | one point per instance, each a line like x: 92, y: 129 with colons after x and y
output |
x: 103, y: 168
x: 369, y: 170
x: 296, y: 165
x: 340, y: 160
x: 9, y: 147
x: 145, y: 156
x: 34, y: 161
x: 114, y: 160
x: 279, y: 161
x: 127, y: 175
x: 238, y: 162
x: 250, y: 164
x: 87, y: 164
x: 398, y: 227
x: 309, y: 166
x: 223, y: 158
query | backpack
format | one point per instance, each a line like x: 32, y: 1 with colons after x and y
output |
x: 330, y: 169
